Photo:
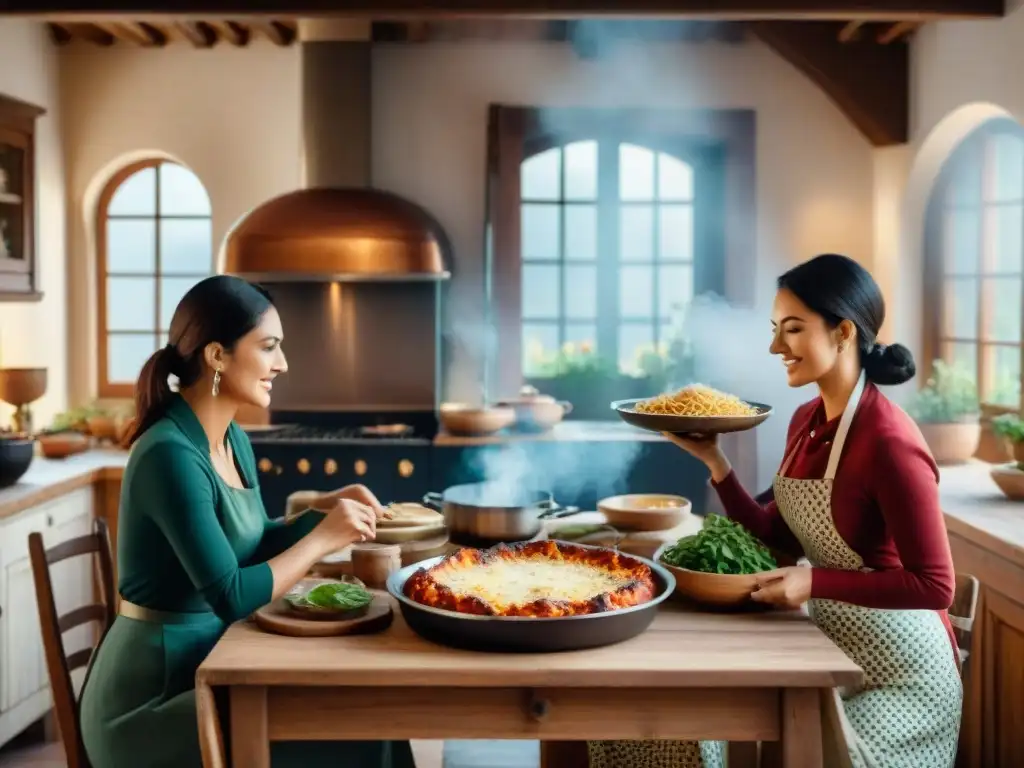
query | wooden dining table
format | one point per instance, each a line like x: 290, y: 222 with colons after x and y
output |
x: 693, y: 674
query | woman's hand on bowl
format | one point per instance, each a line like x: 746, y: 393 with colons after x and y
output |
x: 788, y: 587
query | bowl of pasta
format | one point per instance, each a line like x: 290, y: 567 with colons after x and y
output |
x: 696, y: 409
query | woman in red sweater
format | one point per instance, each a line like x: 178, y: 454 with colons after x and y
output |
x: 857, y: 495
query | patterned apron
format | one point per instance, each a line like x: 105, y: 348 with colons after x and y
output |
x: 906, y: 714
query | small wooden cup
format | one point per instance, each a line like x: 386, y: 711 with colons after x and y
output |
x: 372, y: 563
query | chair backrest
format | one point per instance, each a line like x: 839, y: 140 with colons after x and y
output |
x: 59, y: 664
x: 961, y: 613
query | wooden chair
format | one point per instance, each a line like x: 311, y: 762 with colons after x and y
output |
x: 59, y: 664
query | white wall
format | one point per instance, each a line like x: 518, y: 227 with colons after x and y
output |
x: 230, y: 114
x: 35, y: 334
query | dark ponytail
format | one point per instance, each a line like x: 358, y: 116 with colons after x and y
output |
x: 888, y: 364
x: 838, y: 288
x: 153, y: 392
x: 220, y: 309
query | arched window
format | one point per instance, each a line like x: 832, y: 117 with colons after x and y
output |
x: 607, y: 249
x: 154, y: 242
x: 975, y: 261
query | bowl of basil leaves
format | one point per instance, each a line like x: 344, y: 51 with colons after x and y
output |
x: 329, y: 599
x: 716, y: 566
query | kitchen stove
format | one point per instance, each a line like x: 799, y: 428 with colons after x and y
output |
x: 388, y: 451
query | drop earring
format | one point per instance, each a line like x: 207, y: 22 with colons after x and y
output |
x: 216, y: 383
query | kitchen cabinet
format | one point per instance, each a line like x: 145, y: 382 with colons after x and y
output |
x: 24, y: 680
x: 993, y: 721
x: 18, y: 273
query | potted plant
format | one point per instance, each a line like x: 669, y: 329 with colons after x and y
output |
x: 947, y: 411
x: 579, y: 375
x: 1010, y: 427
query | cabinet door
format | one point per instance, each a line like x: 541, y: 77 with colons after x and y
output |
x: 1003, y: 663
x: 22, y: 664
x: 22, y: 661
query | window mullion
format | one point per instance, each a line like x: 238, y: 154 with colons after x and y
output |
x: 158, y: 263
x: 608, y: 250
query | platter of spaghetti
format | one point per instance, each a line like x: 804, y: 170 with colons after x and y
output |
x: 696, y: 409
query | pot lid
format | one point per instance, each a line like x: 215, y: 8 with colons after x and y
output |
x: 337, y: 234
x: 529, y: 394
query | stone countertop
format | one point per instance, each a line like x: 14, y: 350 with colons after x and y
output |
x: 566, y: 431
x: 977, y: 510
x: 49, y: 478
x: 975, y: 507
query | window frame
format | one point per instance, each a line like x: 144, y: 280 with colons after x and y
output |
x: 515, y: 133
x: 978, y: 143
x: 607, y: 262
x: 105, y: 387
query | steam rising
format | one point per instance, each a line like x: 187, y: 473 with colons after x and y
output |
x: 568, y: 469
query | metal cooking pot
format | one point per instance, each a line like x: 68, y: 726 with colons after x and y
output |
x: 494, y: 511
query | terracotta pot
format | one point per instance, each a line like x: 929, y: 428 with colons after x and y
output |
x: 462, y: 419
x: 952, y: 443
x: 1016, y: 451
x: 1010, y: 480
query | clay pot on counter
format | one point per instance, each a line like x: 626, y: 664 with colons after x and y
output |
x: 953, y: 442
x: 16, y: 453
x: 464, y: 419
x: 60, y: 445
x: 535, y: 412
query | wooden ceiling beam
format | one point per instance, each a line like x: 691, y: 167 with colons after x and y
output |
x: 869, y: 83
x: 278, y: 32
x: 738, y: 10
x: 142, y: 33
x: 200, y: 33
x: 61, y: 34
x: 850, y: 31
x: 233, y: 32
x: 897, y: 31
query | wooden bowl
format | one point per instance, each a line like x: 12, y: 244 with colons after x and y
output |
x: 60, y: 445
x: 645, y: 511
x: 1010, y: 480
x: 462, y: 419
x: 717, y: 589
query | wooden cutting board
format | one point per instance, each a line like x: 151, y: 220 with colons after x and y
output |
x: 280, y: 620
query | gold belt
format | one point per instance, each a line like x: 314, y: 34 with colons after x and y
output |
x: 130, y: 610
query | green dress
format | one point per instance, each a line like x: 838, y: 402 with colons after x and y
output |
x: 195, y: 549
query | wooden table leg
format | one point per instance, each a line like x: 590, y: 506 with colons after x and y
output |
x: 801, y: 728
x: 250, y: 742
x: 211, y: 739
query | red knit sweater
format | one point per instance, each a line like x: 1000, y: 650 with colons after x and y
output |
x: 885, y: 505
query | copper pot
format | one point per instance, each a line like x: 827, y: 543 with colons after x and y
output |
x: 536, y: 412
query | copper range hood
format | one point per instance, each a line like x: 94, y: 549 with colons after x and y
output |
x: 339, y: 228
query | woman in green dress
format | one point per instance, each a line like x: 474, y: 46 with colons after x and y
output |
x: 196, y: 550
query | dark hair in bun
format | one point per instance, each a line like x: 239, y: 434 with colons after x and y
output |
x: 838, y: 288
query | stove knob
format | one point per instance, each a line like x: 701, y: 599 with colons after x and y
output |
x: 405, y: 468
x: 278, y: 469
x: 330, y: 467
x: 303, y: 466
x: 360, y: 467
x: 265, y: 465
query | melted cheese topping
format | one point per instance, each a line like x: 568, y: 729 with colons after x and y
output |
x: 508, y: 582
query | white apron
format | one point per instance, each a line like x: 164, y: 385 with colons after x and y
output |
x: 907, y: 712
